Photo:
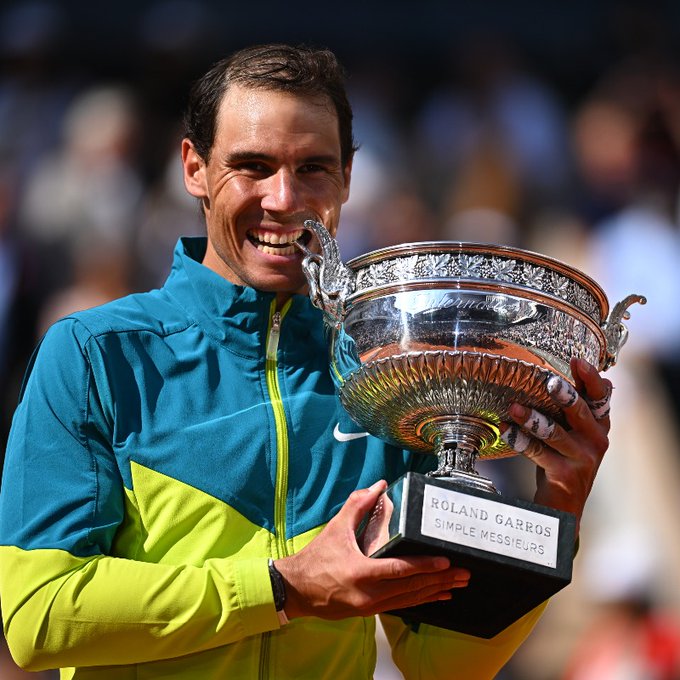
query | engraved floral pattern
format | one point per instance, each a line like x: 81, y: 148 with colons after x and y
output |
x: 502, y: 269
x: 435, y: 265
x: 559, y: 284
x: 404, y: 268
x: 533, y: 276
x: 381, y: 272
x: 471, y: 265
x: 363, y: 279
x: 478, y: 266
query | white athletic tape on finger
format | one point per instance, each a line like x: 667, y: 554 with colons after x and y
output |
x: 539, y: 425
x: 516, y: 438
x: 600, y: 407
x: 562, y: 391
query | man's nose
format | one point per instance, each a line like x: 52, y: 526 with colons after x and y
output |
x: 282, y: 193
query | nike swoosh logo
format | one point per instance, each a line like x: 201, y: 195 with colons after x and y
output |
x: 347, y: 436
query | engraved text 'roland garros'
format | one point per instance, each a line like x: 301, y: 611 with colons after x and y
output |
x: 487, y: 525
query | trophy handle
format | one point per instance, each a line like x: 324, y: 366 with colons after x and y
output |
x: 330, y: 281
x: 615, y: 331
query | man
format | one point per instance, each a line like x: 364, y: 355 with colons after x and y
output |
x: 168, y: 444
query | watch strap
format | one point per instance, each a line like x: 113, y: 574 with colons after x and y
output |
x: 279, y: 591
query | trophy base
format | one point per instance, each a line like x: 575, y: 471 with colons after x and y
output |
x: 518, y: 553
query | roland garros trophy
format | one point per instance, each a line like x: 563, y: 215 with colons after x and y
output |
x: 430, y: 343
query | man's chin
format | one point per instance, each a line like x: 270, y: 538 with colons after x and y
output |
x: 282, y: 285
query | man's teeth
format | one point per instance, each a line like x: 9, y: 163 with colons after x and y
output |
x: 276, y: 243
x: 279, y: 250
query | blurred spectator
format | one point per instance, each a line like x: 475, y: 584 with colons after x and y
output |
x: 628, y: 151
x: 371, y: 185
x: 401, y: 217
x: 634, y: 501
x: 630, y: 637
x: 167, y: 212
x: 493, y: 136
x: 483, y: 203
x: 380, y: 170
x: 101, y: 273
x: 89, y: 187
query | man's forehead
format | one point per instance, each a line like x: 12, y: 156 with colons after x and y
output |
x: 264, y: 95
x: 258, y: 121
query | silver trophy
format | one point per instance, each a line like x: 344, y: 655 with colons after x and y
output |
x: 430, y: 343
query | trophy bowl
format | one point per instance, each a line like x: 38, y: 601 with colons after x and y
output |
x: 430, y: 344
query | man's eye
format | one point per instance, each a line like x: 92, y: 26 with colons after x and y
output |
x: 311, y: 167
x: 253, y: 167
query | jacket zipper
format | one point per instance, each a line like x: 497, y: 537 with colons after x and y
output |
x: 281, y: 484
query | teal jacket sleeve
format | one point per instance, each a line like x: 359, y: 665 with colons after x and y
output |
x: 66, y: 601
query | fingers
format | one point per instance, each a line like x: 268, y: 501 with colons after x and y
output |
x: 588, y: 379
x: 435, y: 593
x: 586, y: 416
x: 531, y: 429
x: 359, y: 503
x: 331, y: 578
x: 596, y: 390
x: 535, y: 435
x: 600, y: 407
x: 589, y: 413
x: 537, y: 446
x: 363, y: 501
x: 539, y: 425
x: 568, y: 454
x: 382, y: 595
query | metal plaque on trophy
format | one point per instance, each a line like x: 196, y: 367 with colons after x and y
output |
x: 430, y: 344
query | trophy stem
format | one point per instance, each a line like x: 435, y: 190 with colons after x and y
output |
x: 456, y: 440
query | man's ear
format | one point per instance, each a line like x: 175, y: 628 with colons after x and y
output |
x: 194, y: 170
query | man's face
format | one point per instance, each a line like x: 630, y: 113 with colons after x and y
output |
x: 275, y: 162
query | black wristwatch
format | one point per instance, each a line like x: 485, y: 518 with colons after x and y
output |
x: 279, y: 590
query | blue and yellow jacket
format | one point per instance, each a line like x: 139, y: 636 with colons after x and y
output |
x: 165, y: 445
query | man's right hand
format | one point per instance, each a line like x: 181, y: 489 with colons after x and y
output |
x: 332, y: 579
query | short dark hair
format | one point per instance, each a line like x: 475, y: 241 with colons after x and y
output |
x: 299, y: 70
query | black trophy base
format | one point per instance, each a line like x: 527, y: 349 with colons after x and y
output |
x: 518, y: 553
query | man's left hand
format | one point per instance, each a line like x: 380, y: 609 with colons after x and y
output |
x: 567, y: 458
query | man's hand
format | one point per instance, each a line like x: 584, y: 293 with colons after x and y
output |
x: 332, y: 579
x: 568, y: 458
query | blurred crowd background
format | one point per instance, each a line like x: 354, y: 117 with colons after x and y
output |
x: 552, y: 126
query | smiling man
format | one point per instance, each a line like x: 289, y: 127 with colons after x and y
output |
x: 276, y: 161
x: 182, y: 485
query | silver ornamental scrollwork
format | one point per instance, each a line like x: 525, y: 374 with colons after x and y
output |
x: 614, y: 329
x: 330, y: 281
x: 493, y: 268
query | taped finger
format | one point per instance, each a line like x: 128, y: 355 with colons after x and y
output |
x: 540, y: 425
x: 563, y: 392
x: 601, y: 407
x: 516, y: 438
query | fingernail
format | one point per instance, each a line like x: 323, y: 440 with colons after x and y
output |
x: 378, y: 486
x: 586, y: 366
x: 518, y: 411
x: 442, y: 563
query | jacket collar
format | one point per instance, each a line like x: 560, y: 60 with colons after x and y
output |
x: 232, y: 314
